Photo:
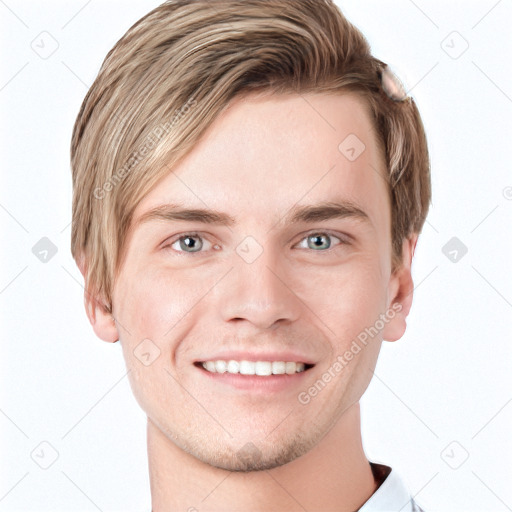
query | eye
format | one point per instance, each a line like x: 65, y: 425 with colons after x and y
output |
x: 320, y: 240
x: 187, y: 243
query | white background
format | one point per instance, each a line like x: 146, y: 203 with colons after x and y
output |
x: 441, y: 393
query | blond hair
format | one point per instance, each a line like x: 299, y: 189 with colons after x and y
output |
x: 174, y: 71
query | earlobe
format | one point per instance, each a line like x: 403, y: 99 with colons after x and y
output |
x: 400, y: 296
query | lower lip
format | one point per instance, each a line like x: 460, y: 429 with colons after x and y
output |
x: 256, y: 383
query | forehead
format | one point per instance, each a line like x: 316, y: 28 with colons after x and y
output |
x: 265, y: 155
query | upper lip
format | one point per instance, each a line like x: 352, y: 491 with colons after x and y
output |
x: 238, y: 355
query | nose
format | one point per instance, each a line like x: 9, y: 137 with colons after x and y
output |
x: 260, y: 293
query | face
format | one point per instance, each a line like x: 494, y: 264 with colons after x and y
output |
x: 269, y: 278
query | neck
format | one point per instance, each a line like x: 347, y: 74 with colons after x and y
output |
x: 334, y: 475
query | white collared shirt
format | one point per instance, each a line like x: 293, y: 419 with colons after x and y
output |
x: 392, y: 495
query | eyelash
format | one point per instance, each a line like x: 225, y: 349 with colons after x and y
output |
x: 167, y: 247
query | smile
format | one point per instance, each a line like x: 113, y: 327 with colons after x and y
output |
x: 261, y: 368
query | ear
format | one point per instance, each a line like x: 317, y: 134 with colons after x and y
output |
x: 101, y: 319
x: 400, y: 292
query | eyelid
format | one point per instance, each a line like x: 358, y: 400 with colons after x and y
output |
x: 344, y: 238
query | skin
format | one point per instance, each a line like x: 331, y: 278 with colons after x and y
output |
x: 263, y: 155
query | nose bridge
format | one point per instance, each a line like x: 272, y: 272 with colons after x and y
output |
x: 256, y: 289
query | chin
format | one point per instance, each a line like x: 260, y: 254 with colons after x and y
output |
x: 255, y: 456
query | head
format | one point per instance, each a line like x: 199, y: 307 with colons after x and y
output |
x: 252, y: 109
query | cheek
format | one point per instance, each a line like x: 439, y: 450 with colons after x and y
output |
x: 350, y: 307
x: 148, y: 303
x: 348, y: 298
x: 151, y: 305
x: 161, y: 304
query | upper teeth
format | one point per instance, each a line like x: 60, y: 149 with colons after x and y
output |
x: 254, y: 367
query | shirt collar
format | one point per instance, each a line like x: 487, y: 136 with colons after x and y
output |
x: 392, y: 494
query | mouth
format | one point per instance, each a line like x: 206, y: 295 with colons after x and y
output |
x: 254, y: 368
x: 256, y: 378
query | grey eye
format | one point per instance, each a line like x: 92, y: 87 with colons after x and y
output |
x: 190, y: 243
x: 318, y: 243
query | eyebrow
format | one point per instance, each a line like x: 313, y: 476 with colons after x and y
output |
x: 297, y: 214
